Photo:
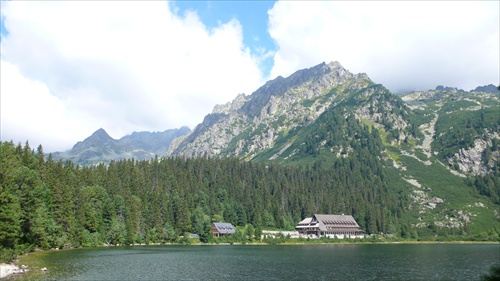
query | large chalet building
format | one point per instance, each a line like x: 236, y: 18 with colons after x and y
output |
x: 340, y: 226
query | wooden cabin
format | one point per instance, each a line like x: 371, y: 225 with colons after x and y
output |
x: 221, y: 229
x: 340, y: 226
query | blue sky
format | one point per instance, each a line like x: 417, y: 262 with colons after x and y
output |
x: 3, y: 31
x: 252, y: 15
x: 125, y: 66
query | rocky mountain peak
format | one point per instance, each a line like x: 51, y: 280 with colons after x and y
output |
x: 324, y: 74
x: 98, y: 138
x: 230, y: 106
x: 101, y: 135
x: 276, y: 107
x: 488, y: 89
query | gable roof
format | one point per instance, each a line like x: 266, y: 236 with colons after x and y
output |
x: 224, y: 227
x: 329, y: 222
x: 305, y: 222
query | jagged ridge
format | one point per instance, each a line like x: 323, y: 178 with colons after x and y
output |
x: 102, y: 148
x: 250, y: 124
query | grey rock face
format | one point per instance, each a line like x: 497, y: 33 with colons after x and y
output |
x: 250, y: 124
x: 472, y: 160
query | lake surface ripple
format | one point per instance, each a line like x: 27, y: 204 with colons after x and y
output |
x: 281, y: 262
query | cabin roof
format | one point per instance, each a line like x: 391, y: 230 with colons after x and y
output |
x: 224, y: 227
x: 305, y: 221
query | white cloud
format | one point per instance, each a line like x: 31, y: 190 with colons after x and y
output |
x: 30, y: 112
x: 401, y: 44
x: 71, y: 67
x: 124, y: 66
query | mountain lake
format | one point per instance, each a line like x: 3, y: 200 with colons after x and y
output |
x: 440, y: 261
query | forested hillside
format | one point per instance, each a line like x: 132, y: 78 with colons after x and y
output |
x: 48, y: 204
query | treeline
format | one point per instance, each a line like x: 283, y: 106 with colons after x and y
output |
x: 49, y: 204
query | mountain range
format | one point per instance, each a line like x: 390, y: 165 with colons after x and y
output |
x: 270, y: 124
x: 439, y: 147
x: 102, y: 148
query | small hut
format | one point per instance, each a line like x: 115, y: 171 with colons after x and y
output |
x: 221, y: 229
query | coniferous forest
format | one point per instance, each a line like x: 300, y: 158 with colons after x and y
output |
x: 46, y: 203
x: 51, y: 204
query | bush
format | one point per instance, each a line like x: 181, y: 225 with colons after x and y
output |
x: 91, y: 239
x: 7, y: 255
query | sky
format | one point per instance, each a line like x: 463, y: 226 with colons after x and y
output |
x: 69, y: 68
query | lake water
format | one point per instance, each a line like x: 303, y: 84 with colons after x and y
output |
x: 281, y: 262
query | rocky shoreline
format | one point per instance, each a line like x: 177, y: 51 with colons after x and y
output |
x: 8, y: 269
